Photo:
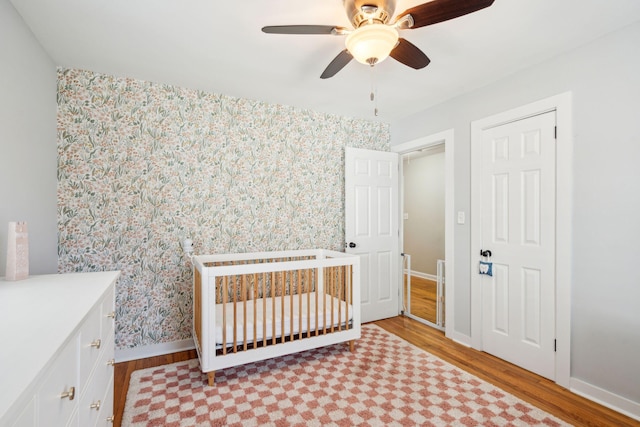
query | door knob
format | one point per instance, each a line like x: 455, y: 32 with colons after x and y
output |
x: 485, y: 253
x: 352, y: 245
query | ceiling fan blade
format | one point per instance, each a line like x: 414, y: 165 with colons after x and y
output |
x: 303, y: 29
x: 442, y: 10
x: 407, y: 53
x: 337, y: 64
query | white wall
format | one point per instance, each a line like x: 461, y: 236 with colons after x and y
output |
x: 423, y: 175
x: 604, y: 77
x: 27, y: 141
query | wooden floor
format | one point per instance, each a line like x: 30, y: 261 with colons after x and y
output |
x: 423, y: 298
x: 536, y: 390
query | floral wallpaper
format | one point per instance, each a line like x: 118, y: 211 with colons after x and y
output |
x: 141, y: 166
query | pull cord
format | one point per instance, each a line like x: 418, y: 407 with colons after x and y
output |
x: 374, y: 91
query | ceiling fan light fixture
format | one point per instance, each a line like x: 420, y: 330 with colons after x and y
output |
x: 371, y: 44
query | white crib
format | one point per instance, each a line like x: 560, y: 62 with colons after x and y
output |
x: 254, y: 306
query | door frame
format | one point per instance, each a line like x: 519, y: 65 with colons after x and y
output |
x: 562, y: 105
x: 446, y: 137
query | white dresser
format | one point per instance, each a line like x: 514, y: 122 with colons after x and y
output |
x: 56, y: 350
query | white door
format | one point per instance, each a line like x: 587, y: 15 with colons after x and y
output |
x: 518, y: 228
x: 372, y: 229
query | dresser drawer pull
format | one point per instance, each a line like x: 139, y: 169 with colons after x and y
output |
x: 96, y: 344
x: 95, y: 405
x: 69, y: 394
x: 111, y: 418
x: 111, y: 362
x: 112, y: 315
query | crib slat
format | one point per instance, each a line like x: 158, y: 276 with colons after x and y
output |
x: 347, y: 295
x: 324, y: 302
x: 339, y: 296
x: 317, y: 296
x: 255, y: 309
x: 291, y: 287
x: 224, y: 315
x: 244, y: 312
x: 235, y: 314
x: 332, y: 292
x: 327, y: 291
x: 273, y: 307
x: 299, y: 304
x: 307, y: 275
x: 282, y: 296
x: 264, y: 308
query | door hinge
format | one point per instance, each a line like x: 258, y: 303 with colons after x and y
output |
x: 555, y: 345
x: 555, y: 132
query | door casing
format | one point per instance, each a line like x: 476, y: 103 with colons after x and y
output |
x: 447, y: 137
x: 562, y: 105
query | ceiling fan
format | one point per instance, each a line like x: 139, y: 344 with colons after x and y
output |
x: 373, y: 38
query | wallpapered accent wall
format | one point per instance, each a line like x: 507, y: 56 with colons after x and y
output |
x: 142, y: 165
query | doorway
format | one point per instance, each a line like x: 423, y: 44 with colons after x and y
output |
x: 439, y: 141
x: 423, y: 196
x: 560, y: 107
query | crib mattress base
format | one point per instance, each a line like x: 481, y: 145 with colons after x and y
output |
x: 300, y: 316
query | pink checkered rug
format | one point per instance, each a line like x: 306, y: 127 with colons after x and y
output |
x: 386, y: 382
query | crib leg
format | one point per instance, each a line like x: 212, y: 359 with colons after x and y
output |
x: 211, y: 375
x: 352, y: 346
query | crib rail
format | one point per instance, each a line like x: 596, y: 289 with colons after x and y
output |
x: 267, y: 299
x: 291, y: 301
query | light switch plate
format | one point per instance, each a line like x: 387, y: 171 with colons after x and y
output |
x: 461, y: 217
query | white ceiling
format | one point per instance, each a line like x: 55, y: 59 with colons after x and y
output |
x: 217, y: 46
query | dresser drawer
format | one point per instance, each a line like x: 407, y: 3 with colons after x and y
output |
x: 28, y: 416
x: 107, y: 414
x: 73, y: 422
x: 59, y: 392
x: 91, y: 343
x: 108, y: 313
x: 92, y: 403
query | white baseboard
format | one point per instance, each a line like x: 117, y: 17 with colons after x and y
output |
x: 459, y: 338
x: 127, y: 354
x: 422, y: 275
x: 606, y: 398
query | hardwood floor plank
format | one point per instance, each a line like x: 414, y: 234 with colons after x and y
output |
x: 529, y: 387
